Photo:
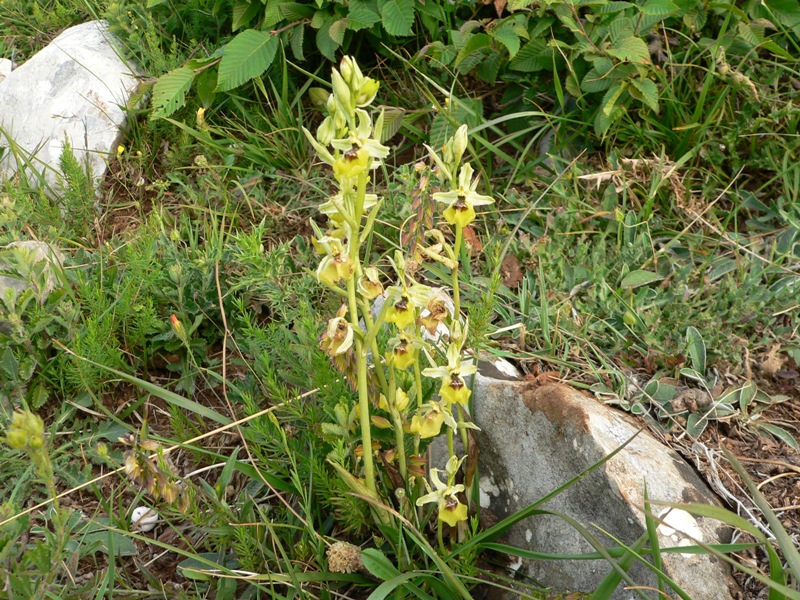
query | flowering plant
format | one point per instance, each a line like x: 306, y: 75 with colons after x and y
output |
x: 427, y: 333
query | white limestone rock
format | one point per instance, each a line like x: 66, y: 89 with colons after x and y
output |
x: 534, y: 439
x: 75, y: 89
x: 6, y: 67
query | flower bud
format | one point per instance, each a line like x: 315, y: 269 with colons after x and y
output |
x: 319, y: 96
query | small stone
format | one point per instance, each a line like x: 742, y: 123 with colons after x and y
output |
x: 144, y: 519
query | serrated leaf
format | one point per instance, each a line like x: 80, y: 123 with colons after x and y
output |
x: 325, y: 44
x: 599, y: 77
x: 246, y: 56
x: 534, y: 56
x: 337, y: 31
x: 749, y: 35
x: 509, y: 38
x: 474, y: 44
x: 392, y: 121
x: 638, y: 278
x: 614, y: 7
x: 363, y: 14
x: 621, y: 28
x: 169, y: 92
x: 397, y: 17
x: 243, y: 12
x: 489, y: 68
x: 609, y: 101
x: 696, y: 349
x: 440, y: 130
x: 649, y: 91
x: 659, y: 8
x: 293, y: 11
x: 632, y: 49
x: 296, y: 41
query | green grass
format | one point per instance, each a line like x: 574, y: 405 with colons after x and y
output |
x: 684, y: 221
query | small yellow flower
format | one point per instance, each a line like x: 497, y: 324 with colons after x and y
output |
x: 451, y: 510
x: 369, y: 284
x: 462, y: 200
x: 338, y: 336
x: 404, y: 353
x: 120, y: 150
x: 351, y: 165
x: 337, y: 265
x: 453, y: 388
x: 428, y: 422
x: 401, y: 312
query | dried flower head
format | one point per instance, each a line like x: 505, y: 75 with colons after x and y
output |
x: 344, y: 558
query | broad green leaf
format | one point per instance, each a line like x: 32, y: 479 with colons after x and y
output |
x: 246, y: 56
x: 599, y: 77
x: 337, y: 30
x: 696, y: 424
x: 378, y: 564
x: 489, y: 67
x: 362, y: 14
x: 609, y: 101
x: 749, y: 34
x: 638, y: 278
x: 108, y: 542
x: 746, y: 395
x: 296, y: 41
x: 474, y: 45
x: 659, y: 8
x: 398, y: 17
x: 696, y: 350
x: 403, y: 581
x: 614, y: 7
x: 649, y: 92
x: 243, y: 12
x: 621, y: 28
x: 325, y: 44
x: 169, y: 92
x: 506, y: 35
x: 632, y: 49
x: 534, y: 56
x: 392, y: 121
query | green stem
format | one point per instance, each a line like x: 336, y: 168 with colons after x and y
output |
x: 418, y: 380
x: 397, y: 422
x: 454, y: 272
x: 363, y: 391
x: 377, y: 365
x: 440, y: 536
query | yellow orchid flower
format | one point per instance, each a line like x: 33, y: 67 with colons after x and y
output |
x: 427, y: 423
x: 454, y: 388
x: 451, y: 510
x: 462, y: 200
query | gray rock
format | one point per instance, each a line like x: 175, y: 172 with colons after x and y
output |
x: 5, y: 68
x: 534, y: 439
x: 27, y: 254
x: 74, y: 89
